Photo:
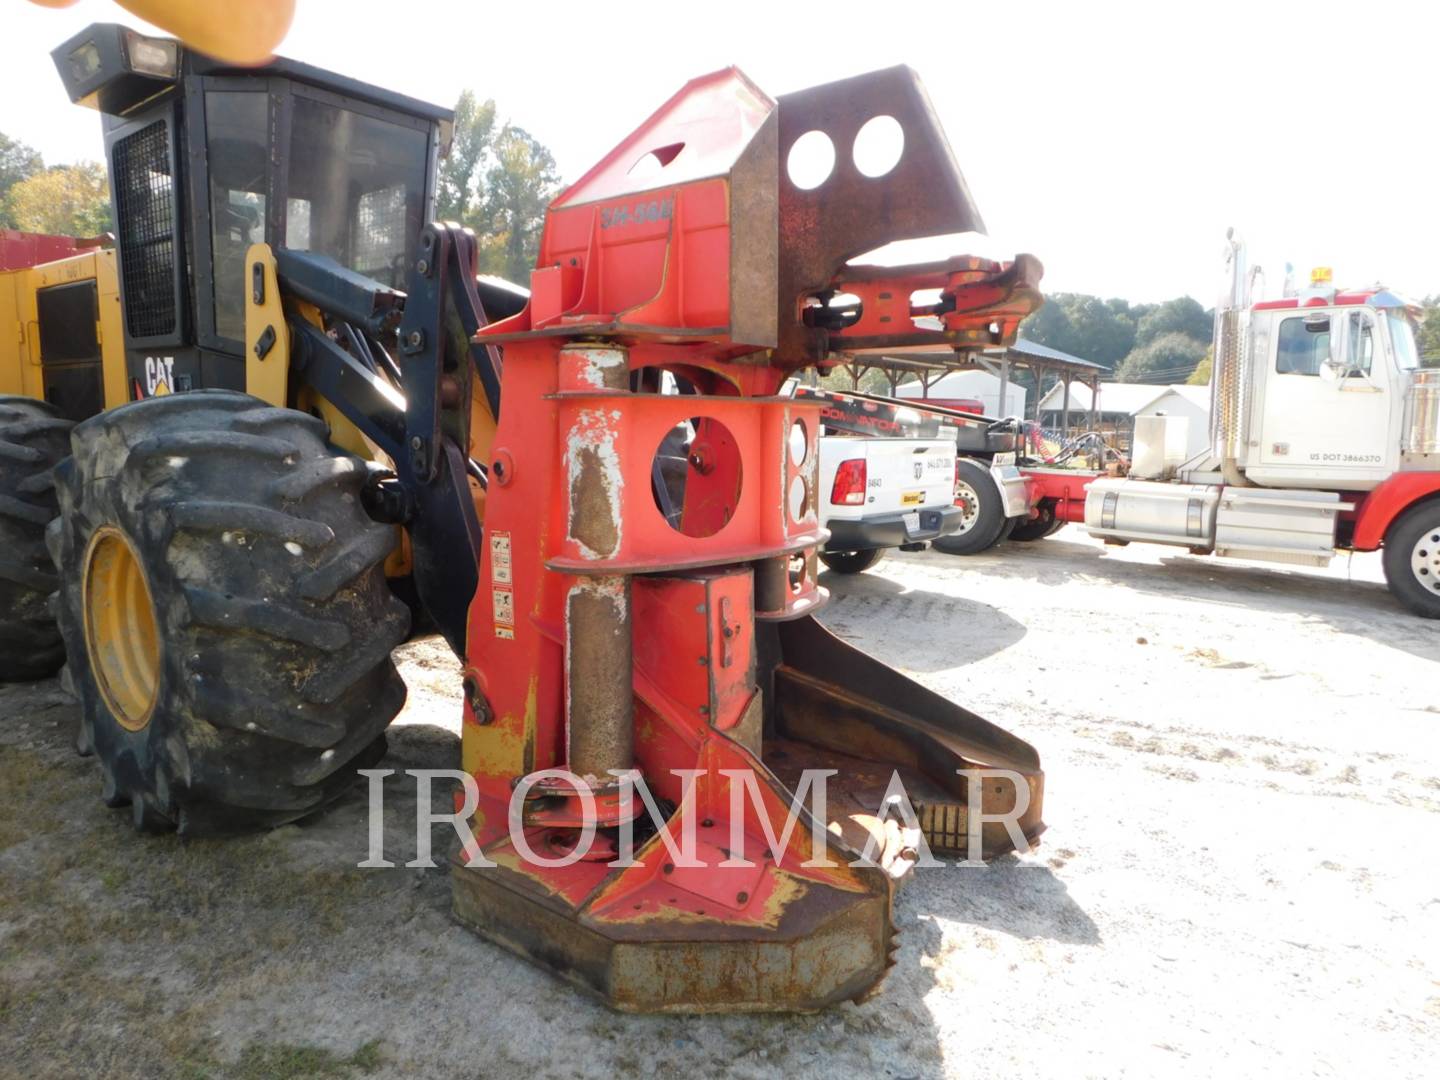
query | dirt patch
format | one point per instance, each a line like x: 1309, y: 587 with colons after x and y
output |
x: 1236, y: 877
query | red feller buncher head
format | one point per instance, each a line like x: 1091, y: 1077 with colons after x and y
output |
x: 648, y: 580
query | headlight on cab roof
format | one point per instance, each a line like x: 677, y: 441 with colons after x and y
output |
x: 153, y: 56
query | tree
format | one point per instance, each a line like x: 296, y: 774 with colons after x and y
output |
x: 1050, y: 325
x: 67, y: 200
x: 1169, y: 358
x: 497, y: 183
x: 1427, y: 338
x: 1102, y: 331
x: 17, y: 162
x: 518, y: 187
x: 1179, y: 316
x: 1108, y: 334
x: 872, y: 381
x: 458, y: 194
x: 1201, y: 375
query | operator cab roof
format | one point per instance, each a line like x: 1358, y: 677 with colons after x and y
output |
x: 116, y: 70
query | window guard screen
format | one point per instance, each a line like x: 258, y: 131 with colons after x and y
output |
x: 145, y: 221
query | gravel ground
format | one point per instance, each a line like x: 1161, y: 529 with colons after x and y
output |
x: 1243, y: 792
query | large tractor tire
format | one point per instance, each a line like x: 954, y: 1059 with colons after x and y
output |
x: 984, y: 521
x: 225, y: 611
x: 1412, y: 559
x: 34, y: 438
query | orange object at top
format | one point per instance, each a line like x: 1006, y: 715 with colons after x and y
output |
x: 244, y: 33
x: 651, y: 242
x: 693, y: 229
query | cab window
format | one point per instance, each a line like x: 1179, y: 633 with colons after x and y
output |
x: 1402, y: 333
x: 235, y: 125
x: 356, y: 188
x: 1362, y: 344
x: 1303, y: 346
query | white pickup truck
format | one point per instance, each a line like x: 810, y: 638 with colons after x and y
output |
x: 877, y: 492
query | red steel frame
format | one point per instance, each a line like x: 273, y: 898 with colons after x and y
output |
x: 602, y: 638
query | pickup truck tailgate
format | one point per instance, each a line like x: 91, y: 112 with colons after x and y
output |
x: 905, y: 474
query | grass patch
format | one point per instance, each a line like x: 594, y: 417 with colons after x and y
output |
x: 118, y: 952
x: 285, y: 1061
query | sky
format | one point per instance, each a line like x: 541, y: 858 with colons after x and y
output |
x: 1115, y: 141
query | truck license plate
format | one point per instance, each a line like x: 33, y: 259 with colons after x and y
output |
x: 912, y: 498
x: 912, y: 522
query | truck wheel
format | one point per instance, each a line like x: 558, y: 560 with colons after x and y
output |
x: 984, y: 516
x: 1036, y: 528
x: 225, y: 611
x: 1412, y: 559
x: 851, y: 562
x: 33, y: 440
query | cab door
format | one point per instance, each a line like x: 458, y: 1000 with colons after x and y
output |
x: 1326, y: 413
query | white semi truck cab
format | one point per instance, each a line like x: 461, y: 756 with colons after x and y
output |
x: 1324, y: 434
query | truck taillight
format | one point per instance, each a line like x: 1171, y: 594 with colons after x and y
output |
x: 849, y: 486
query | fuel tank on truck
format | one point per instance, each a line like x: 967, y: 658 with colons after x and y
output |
x: 1182, y: 514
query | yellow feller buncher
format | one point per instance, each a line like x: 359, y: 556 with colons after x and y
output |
x: 305, y: 428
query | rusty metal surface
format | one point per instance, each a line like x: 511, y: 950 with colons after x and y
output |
x: 601, y: 705
x: 754, y: 222
x: 850, y: 214
x: 828, y: 948
x: 981, y: 305
x: 833, y: 697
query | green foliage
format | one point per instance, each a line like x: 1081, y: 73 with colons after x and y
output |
x: 1170, y: 358
x: 17, y: 162
x: 519, y: 185
x: 872, y: 381
x: 498, y: 182
x: 67, y: 200
x: 1427, y: 337
x: 1201, y: 375
x: 1179, y: 316
x: 1085, y: 326
x: 459, y: 189
x: 1124, y: 336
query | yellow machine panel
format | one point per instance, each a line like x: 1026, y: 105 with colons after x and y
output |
x: 61, y: 337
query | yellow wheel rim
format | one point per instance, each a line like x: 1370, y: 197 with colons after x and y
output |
x: 120, y: 628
